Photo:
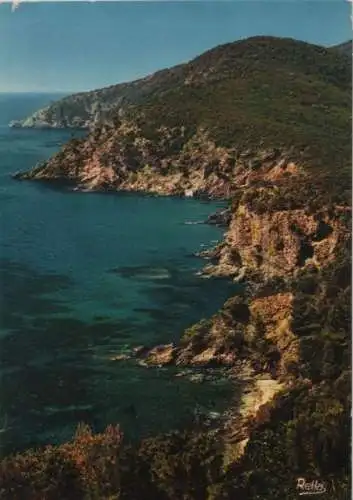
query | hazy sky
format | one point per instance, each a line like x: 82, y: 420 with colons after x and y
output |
x: 71, y: 46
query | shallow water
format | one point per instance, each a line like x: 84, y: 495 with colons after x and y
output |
x: 85, y: 276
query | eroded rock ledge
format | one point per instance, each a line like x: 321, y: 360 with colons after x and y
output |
x: 123, y: 158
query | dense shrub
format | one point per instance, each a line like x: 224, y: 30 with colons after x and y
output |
x: 86, y: 468
x: 176, y: 465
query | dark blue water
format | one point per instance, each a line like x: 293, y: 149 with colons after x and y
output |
x: 83, y: 278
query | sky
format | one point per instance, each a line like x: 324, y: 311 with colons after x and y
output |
x: 73, y: 46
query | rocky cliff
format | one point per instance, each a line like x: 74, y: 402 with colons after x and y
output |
x: 264, y: 123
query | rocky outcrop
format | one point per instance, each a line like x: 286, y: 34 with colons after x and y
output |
x: 123, y: 158
x: 230, y: 338
x: 46, y: 118
x: 277, y: 243
x: 222, y: 218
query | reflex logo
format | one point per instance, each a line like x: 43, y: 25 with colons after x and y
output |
x: 314, y: 487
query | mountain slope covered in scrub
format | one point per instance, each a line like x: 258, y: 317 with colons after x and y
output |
x: 236, y: 101
x: 83, y: 109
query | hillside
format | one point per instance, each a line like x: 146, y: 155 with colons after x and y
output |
x: 82, y: 110
x: 344, y: 48
x: 264, y: 123
x: 262, y: 97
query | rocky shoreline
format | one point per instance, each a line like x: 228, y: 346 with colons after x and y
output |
x: 40, y: 124
x: 268, y: 241
x: 284, y: 340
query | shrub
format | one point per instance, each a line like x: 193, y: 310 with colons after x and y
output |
x: 85, y: 468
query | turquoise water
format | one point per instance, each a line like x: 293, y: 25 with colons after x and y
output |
x: 85, y: 276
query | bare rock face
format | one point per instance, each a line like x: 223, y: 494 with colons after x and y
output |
x: 279, y: 242
x: 161, y: 355
x: 230, y: 336
x: 121, y: 157
x: 275, y: 313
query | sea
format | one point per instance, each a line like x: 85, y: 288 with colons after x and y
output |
x: 84, y: 277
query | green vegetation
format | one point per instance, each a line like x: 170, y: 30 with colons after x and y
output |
x: 322, y: 319
x: 303, y: 433
x: 312, y: 194
x: 246, y: 97
x: 263, y: 92
x: 88, y: 467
